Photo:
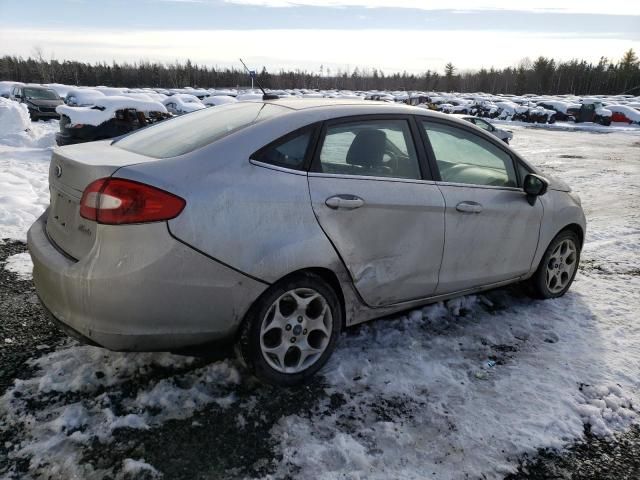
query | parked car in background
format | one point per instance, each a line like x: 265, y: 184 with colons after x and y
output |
x: 216, y: 100
x: 504, y: 135
x: 592, y: 111
x: 40, y: 101
x: 274, y: 224
x: 182, y: 103
x: 624, y: 113
x: 107, y: 117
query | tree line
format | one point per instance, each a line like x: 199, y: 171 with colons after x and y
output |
x: 542, y: 75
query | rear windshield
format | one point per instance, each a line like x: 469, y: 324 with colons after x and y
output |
x: 190, y: 132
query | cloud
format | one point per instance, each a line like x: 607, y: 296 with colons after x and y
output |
x: 388, y: 49
x: 609, y: 7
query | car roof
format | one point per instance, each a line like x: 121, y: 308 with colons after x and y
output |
x: 327, y: 108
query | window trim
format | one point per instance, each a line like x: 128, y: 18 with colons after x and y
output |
x: 487, y: 136
x: 308, y: 155
x: 424, y: 168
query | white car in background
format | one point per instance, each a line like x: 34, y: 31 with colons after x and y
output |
x: 216, y: 100
x: 182, y: 103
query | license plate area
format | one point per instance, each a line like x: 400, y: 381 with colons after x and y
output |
x: 69, y: 231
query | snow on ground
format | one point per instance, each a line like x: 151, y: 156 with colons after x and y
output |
x: 24, y: 168
x: 450, y: 390
x: 21, y: 265
x: 80, y: 387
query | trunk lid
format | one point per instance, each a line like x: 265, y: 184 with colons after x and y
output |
x: 71, y: 170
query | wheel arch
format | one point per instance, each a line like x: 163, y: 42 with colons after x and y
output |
x: 577, y: 229
x: 325, y: 274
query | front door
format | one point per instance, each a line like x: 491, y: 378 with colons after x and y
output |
x: 385, y: 221
x: 491, y: 229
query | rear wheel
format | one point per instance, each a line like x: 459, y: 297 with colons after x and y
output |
x: 291, y: 331
x: 558, y: 266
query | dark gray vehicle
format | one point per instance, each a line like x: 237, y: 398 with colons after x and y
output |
x: 272, y: 225
x: 41, y: 101
x: 504, y: 135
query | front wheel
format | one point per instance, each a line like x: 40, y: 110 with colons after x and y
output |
x: 558, y: 266
x: 291, y: 331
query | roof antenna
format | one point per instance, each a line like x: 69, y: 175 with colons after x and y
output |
x: 265, y: 95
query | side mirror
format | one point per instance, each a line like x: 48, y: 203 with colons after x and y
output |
x: 534, y: 186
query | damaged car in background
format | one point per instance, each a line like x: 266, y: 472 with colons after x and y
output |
x: 40, y: 101
x: 272, y: 225
x: 106, y: 117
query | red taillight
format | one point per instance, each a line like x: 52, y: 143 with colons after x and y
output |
x: 115, y: 201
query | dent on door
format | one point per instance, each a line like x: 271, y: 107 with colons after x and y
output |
x: 389, y: 234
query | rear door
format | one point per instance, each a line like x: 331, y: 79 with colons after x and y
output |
x: 491, y: 229
x: 373, y: 198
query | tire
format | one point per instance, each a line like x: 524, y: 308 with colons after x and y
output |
x: 299, y: 313
x: 560, y: 261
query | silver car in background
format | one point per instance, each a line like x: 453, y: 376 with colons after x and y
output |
x: 272, y: 225
x: 504, y: 135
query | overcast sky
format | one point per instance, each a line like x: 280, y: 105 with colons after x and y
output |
x: 392, y: 35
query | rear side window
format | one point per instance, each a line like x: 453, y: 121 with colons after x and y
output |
x: 289, y: 152
x: 380, y: 148
x: 195, y: 130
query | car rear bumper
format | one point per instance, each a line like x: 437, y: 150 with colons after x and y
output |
x: 149, y: 293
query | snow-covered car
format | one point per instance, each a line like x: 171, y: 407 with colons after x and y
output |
x: 216, y: 100
x: 562, y: 109
x: 274, y: 224
x: 592, y: 110
x: 181, y: 103
x: 40, y: 101
x: 107, y: 117
x: 624, y: 113
x: 504, y: 135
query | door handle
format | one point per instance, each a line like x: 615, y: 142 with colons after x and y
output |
x: 347, y: 202
x: 469, y: 207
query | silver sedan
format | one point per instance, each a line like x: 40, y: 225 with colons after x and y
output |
x: 504, y: 135
x: 272, y: 225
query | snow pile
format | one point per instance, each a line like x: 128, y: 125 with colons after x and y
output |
x: 137, y: 468
x: 53, y: 436
x: 14, y: 117
x: 21, y: 265
x: 24, y: 186
x: 105, y: 108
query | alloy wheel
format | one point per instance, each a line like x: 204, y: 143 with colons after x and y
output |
x: 296, y: 330
x: 561, y: 265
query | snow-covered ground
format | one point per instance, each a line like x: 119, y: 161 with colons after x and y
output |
x: 454, y: 390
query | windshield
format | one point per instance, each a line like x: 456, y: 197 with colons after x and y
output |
x: 195, y: 130
x: 40, y: 94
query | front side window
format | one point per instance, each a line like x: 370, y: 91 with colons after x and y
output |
x: 185, y: 134
x: 464, y: 157
x: 379, y: 148
x: 290, y: 152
